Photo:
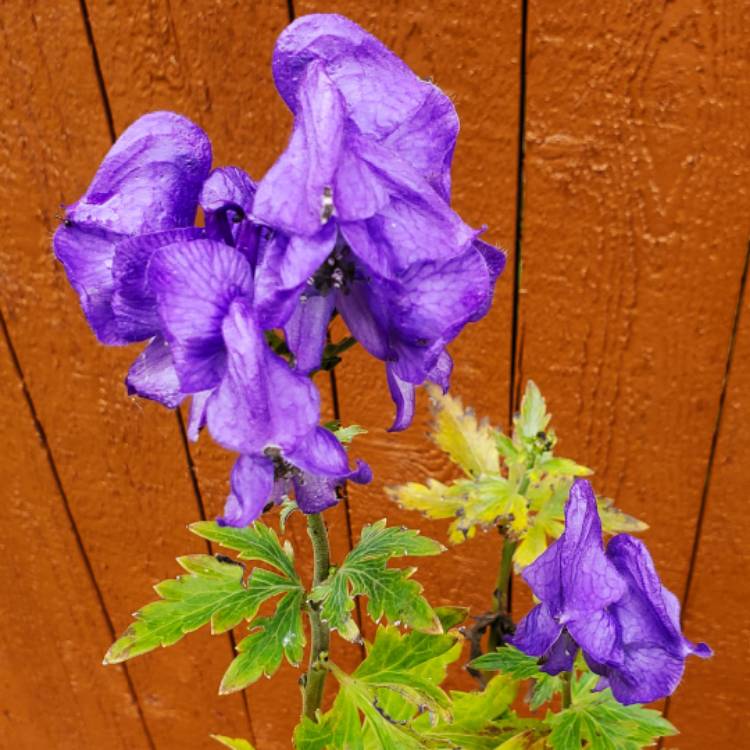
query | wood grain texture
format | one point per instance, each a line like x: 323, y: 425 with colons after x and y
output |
x: 121, y: 463
x: 471, y: 51
x: 53, y: 691
x: 713, y: 703
x: 635, y: 225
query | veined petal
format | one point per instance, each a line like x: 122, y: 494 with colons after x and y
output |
x: 364, y: 316
x: 494, y: 258
x: 133, y: 303
x: 252, y: 487
x: 285, y: 266
x: 441, y: 372
x: 226, y: 199
x: 195, y: 283
x: 320, y: 453
x: 149, y: 180
x: 560, y: 656
x: 537, y: 632
x: 86, y: 254
x: 306, y: 331
x: 260, y: 403
x: 153, y: 375
x: 292, y: 194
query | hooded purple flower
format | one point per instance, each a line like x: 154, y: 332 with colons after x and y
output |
x: 148, y: 184
x: 362, y: 192
x: 611, y: 605
x: 576, y: 585
x: 251, y: 400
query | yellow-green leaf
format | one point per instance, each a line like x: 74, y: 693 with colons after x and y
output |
x: 233, y: 743
x: 469, y: 442
x: 432, y: 499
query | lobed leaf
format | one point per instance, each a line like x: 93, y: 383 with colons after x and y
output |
x: 468, y: 442
x: 234, y: 744
x: 256, y: 542
x: 213, y: 592
x: 390, y: 592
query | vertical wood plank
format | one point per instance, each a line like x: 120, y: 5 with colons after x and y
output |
x: 53, y: 691
x: 712, y: 704
x: 121, y: 462
x: 634, y: 229
x: 212, y: 63
x: 472, y: 52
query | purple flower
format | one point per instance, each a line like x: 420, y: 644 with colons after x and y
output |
x: 362, y: 193
x: 576, y: 585
x: 611, y: 605
x: 648, y: 615
x: 251, y: 400
x: 147, y: 184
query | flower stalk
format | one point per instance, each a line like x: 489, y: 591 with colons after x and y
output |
x: 320, y: 634
x: 567, y: 690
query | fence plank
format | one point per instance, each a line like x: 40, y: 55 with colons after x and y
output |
x: 713, y: 702
x: 121, y: 463
x: 635, y: 225
x: 54, y: 629
x: 471, y: 51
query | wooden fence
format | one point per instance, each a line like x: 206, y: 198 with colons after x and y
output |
x: 605, y: 144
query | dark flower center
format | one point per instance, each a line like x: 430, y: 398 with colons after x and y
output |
x: 338, y: 271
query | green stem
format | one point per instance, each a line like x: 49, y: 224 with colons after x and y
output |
x: 320, y: 634
x: 502, y: 586
x: 567, y: 690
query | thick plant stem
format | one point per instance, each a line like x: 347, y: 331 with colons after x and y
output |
x: 320, y: 634
x: 500, y: 604
x: 567, y: 692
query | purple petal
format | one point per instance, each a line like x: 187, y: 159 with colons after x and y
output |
x: 598, y: 634
x: 133, y: 303
x: 153, y: 375
x: 560, y: 656
x: 494, y: 259
x: 383, y: 97
x: 321, y: 453
x: 537, y: 632
x: 226, y: 199
x: 252, y: 487
x: 306, y: 331
x: 86, y: 254
x: 284, y: 269
x: 197, y: 419
x: 364, y: 316
x: 260, y: 403
x: 195, y: 283
x: 441, y: 372
x: 292, y: 194
x: 149, y: 180
x: 435, y: 300
x: 359, y: 192
x: 314, y: 493
x: 402, y: 394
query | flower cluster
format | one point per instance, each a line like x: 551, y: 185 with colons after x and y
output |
x: 609, y: 603
x: 353, y: 218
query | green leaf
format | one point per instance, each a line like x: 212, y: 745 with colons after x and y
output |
x: 214, y: 591
x: 340, y: 728
x: 532, y: 418
x: 390, y: 592
x: 256, y: 542
x: 468, y: 442
x: 603, y: 723
x: 543, y: 690
x: 480, y: 720
x: 508, y: 660
x: 433, y: 499
x: 260, y: 653
x: 560, y: 467
x: 451, y: 617
x: 234, y: 744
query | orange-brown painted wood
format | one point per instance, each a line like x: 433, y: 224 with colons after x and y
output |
x: 53, y: 690
x: 712, y: 706
x: 121, y: 463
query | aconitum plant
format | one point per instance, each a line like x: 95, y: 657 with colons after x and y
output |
x: 354, y: 219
